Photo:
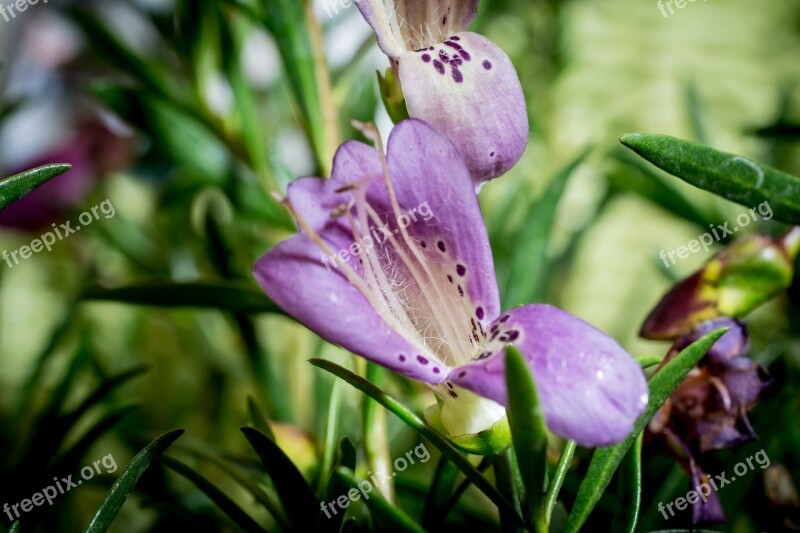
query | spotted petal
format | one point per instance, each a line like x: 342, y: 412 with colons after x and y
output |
x: 322, y: 299
x: 468, y: 89
x: 590, y: 388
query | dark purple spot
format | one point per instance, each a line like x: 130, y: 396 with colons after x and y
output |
x: 455, y: 62
x: 494, y: 335
x: 460, y: 290
x: 465, y: 55
x: 461, y: 270
x: 487, y: 64
x: 462, y: 374
x: 457, y: 76
x: 431, y: 48
x: 426, y: 58
x: 422, y: 360
x: 479, y: 313
x: 441, y: 246
x: 504, y: 318
x: 450, y: 278
x: 449, y: 384
x: 484, y: 355
x: 453, y: 394
x: 455, y: 38
x: 438, y: 66
x: 402, y: 358
x: 436, y: 370
x: 443, y: 57
x: 504, y: 337
x: 474, y: 325
x: 444, y: 21
x: 514, y: 335
x: 451, y: 44
x: 423, y: 244
x: 491, y: 154
x: 477, y: 339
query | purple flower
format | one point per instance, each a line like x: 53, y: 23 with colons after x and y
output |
x: 393, y: 263
x: 708, y: 411
x: 460, y: 82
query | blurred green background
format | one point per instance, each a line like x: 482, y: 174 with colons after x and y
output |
x: 185, y: 115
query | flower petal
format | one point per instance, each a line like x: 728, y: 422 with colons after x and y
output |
x: 590, y: 388
x: 411, y: 25
x: 427, y: 170
x: 468, y: 89
x: 322, y: 299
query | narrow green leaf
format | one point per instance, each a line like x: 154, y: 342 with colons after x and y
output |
x: 69, y: 461
x: 247, y: 482
x: 439, y: 493
x: 437, y: 439
x: 486, y: 462
x: 629, y: 490
x: 529, y: 433
x: 286, y: 20
x: 731, y: 176
x: 529, y: 263
x: 15, y: 187
x: 154, y: 76
x: 102, y: 392
x: 564, y: 462
x: 331, y: 433
x: 338, y: 486
x: 389, y: 517
x: 299, y: 501
x: 14, y: 527
x: 606, y: 460
x: 220, y: 499
x: 127, y: 481
x: 218, y: 295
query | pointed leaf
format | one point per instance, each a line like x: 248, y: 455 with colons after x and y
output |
x: 606, y: 460
x: 731, y: 176
x: 416, y: 423
x: 70, y: 460
x: 529, y: 263
x: 564, y: 462
x: 299, y: 501
x: 529, y: 433
x: 220, y: 499
x: 218, y: 295
x: 127, y: 481
x: 246, y: 481
x: 629, y: 490
x: 15, y: 187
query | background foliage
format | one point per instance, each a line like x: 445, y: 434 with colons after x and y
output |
x: 219, y: 103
